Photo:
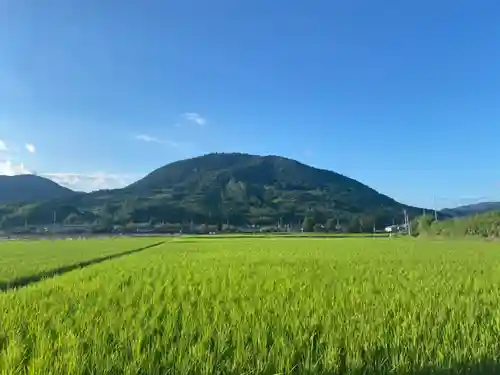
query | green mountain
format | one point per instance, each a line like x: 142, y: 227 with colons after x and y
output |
x: 233, y: 188
x: 30, y: 188
x: 472, y: 209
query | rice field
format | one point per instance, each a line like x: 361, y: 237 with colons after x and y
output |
x: 263, y: 306
x: 22, y: 259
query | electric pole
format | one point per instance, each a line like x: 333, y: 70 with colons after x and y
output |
x: 406, y: 224
x: 435, y: 211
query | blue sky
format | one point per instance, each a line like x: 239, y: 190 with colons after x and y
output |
x: 403, y: 96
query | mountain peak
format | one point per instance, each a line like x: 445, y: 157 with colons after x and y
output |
x: 218, y: 182
x: 218, y: 187
x: 29, y: 188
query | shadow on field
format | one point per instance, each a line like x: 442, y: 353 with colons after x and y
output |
x: 31, y: 279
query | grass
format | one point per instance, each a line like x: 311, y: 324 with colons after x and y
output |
x: 22, y: 259
x: 291, y: 235
x: 264, y: 306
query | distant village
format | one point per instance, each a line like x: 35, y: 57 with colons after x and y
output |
x: 189, y: 228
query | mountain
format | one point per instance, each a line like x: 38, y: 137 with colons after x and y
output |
x: 231, y: 188
x: 30, y: 188
x: 472, y: 209
x: 245, y: 188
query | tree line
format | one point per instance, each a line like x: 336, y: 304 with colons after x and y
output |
x: 486, y: 225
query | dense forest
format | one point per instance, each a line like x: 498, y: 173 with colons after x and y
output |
x: 223, y: 189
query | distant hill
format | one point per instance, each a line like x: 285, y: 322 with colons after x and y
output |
x: 30, y: 188
x: 472, y: 209
x: 235, y: 189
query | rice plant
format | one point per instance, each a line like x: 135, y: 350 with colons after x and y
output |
x: 23, y: 259
x: 264, y: 306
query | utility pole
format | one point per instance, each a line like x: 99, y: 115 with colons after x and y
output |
x: 435, y: 211
x: 407, y: 222
x: 404, y: 218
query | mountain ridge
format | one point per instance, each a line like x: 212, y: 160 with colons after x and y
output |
x: 29, y: 188
x: 472, y: 209
x: 235, y: 188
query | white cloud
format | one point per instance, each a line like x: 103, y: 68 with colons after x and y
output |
x: 195, y: 118
x: 10, y: 168
x: 76, y: 181
x: 30, y: 147
x: 91, y: 181
x: 151, y: 139
x: 148, y: 138
x: 8, y: 165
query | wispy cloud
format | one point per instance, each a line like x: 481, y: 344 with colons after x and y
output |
x: 3, y: 146
x: 91, y: 181
x: 167, y: 142
x: 148, y: 138
x: 195, y: 118
x: 30, y: 147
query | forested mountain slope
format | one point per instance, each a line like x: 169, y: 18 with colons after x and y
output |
x: 231, y: 188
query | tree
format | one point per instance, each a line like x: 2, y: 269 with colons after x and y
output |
x: 361, y: 225
x: 72, y: 218
x: 331, y: 225
x: 308, y: 224
x: 352, y: 225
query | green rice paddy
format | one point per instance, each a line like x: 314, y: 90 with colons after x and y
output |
x: 19, y: 259
x: 254, y: 306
